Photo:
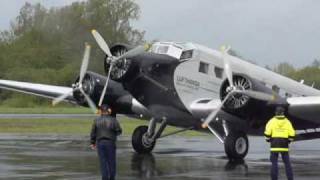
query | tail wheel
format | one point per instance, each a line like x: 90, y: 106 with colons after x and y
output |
x: 236, y: 145
x: 140, y: 142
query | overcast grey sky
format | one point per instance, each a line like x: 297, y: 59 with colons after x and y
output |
x: 267, y: 32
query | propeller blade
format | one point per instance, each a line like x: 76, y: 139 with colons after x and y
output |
x: 258, y: 95
x: 213, y: 114
x: 133, y: 52
x: 85, y: 62
x: 105, y: 86
x: 89, y: 101
x: 227, y: 67
x: 253, y: 94
x: 61, y: 98
x: 101, y: 42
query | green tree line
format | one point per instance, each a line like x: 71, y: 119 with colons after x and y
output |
x: 46, y: 45
x: 309, y: 74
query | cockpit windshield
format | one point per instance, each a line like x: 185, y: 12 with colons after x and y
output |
x: 176, y: 50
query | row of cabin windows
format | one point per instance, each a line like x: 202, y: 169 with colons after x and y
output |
x: 204, y: 68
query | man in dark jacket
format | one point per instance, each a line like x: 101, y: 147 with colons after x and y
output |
x: 104, y: 132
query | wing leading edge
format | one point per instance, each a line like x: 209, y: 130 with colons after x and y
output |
x: 42, y: 90
x: 306, y: 108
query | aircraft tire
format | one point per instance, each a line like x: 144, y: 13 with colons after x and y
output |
x: 138, y: 142
x: 236, y: 145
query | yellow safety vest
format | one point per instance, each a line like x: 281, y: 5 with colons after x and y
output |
x: 280, y: 132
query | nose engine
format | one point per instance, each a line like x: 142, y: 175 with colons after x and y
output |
x: 121, y: 68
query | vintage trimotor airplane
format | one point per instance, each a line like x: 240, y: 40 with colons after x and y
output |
x: 188, y: 86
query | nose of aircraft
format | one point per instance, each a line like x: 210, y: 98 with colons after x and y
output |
x: 143, y: 63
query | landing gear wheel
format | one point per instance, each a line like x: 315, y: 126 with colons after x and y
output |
x: 140, y: 142
x: 236, y: 145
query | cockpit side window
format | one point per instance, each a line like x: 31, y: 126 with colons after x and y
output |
x: 186, y: 54
x: 162, y: 49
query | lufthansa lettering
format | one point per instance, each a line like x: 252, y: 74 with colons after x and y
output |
x: 186, y: 80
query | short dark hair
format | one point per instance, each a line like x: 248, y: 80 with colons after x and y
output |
x: 104, y: 107
x: 279, y: 110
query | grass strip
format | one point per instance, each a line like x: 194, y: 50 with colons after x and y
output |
x: 45, y: 110
x: 72, y: 126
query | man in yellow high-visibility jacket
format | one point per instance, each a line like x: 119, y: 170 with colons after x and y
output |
x: 279, y: 132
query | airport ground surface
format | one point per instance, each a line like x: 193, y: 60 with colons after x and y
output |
x: 69, y: 157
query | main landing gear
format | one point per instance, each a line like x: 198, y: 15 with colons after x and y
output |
x: 144, y: 137
x: 236, y: 144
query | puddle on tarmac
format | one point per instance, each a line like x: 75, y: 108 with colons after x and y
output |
x: 174, y: 158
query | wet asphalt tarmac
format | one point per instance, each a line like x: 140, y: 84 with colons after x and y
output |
x: 69, y: 157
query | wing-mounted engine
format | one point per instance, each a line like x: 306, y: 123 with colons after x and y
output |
x: 117, y: 97
x: 121, y: 67
x: 93, y: 84
x: 242, y: 82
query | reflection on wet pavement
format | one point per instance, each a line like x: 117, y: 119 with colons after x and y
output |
x: 35, y: 157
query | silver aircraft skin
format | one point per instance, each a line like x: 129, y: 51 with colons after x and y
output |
x: 296, y: 93
x: 201, y: 81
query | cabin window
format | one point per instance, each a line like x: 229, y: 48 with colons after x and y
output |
x: 204, y: 67
x: 275, y: 89
x: 218, y: 72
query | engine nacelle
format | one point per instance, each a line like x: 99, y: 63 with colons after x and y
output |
x: 241, y: 82
x: 121, y: 67
x: 92, y: 85
x: 116, y: 96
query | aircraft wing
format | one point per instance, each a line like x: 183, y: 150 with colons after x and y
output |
x: 305, y: 107
x: 42, y: 90
x: 304, y: 101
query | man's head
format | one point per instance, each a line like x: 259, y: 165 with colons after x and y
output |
x: 279, y: 111
x: 105, y: 109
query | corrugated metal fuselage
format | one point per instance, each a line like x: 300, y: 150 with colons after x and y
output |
x: 169, y: 88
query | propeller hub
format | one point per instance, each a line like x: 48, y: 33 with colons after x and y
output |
x: 121, y: 66
x: 231, y: 88
x: 237, y: 100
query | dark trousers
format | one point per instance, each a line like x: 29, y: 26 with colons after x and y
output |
x: 274, y: 161
x: 107, y: 157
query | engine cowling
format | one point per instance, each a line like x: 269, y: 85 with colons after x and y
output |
x: 117, y: 97
x: 241, y: 82
x: 121, y: 68
x: 92, y: 84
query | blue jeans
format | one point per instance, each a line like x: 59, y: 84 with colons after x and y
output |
x: 107, y: 157
x: 274, y: 161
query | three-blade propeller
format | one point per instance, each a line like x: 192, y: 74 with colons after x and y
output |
x: 83, y: 70
x: 227, y: 68
x: 233, y: 90
x: 112, y: 59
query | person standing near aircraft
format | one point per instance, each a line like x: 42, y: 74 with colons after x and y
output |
x: 103, y: 136
x: 279, y: 132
